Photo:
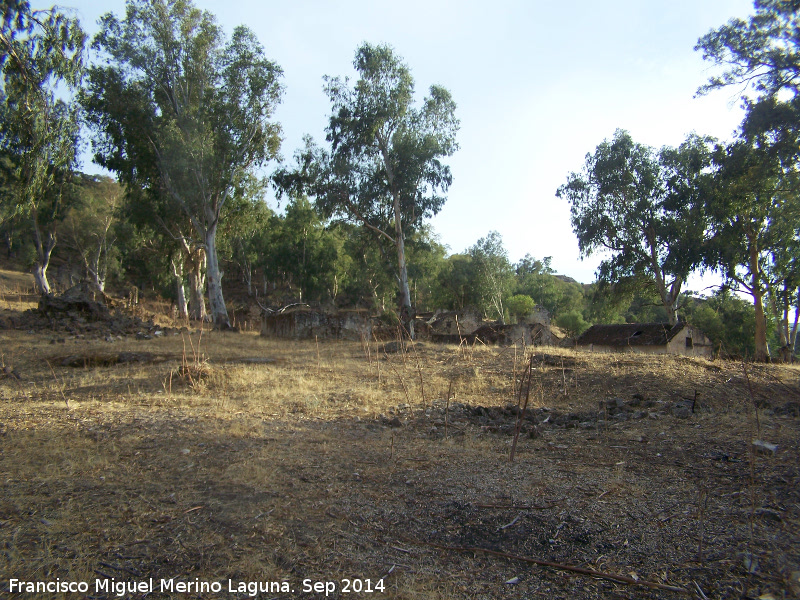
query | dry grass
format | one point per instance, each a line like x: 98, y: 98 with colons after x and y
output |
x: 236, y: 457
x: 17, y: 291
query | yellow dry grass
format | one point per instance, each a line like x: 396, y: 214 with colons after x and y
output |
x: 230, y: 456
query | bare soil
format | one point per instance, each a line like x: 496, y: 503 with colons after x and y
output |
x: 227, y: 456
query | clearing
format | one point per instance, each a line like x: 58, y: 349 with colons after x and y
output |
x: 226, y: 456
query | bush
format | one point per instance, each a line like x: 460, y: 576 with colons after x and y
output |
x: 572, y: 323
x: 520, y: 306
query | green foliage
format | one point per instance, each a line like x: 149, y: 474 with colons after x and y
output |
x: 754, y: 213
x: 641, y: 207
x: 456, y: 283
x: 572, y: 322
x: 90, y: 228
x: 763, y: 51
x: 40, y: 50
x: 309, y: 255
x: 184, y: 115
x: 558, y: 295
x: 384, y: 168
x: 492, y: 276
x: 426, y: 260
x: 727, y: 319
x: 369, y: 279
x: 519, y: 306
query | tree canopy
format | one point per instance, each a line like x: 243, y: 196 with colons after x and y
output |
x: 761, y: 53
x: 640, y: 207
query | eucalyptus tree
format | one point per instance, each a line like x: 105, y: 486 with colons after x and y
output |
x: 642, y: 208
x: 754, y: 214
x: 40, y: 50
x: 773, y: 126
x: 492, y: 274
x: 762, y: 52
x: 741, y: 212
x: 384, y: 167
x: 89, y: 226
x: 184, y: 113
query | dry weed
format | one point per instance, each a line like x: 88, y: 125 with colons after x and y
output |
x: 248, y: 458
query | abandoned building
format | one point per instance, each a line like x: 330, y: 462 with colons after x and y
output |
x: 305, y: 323
x: 451, y: 326
x: 647, y: 338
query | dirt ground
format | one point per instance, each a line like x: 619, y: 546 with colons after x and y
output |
x: 233, y: 459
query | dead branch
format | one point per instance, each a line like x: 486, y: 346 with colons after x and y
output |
x: 557, y: 566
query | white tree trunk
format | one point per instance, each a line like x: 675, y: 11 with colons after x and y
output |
x: 195, y: 261
x: 180, y: 292
x: 40, y: 279
x: 44, y: 248
x: 406, y: 311
x: 219, y: 313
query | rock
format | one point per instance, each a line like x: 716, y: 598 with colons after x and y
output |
x: 750, y: 562
x: 762, y: 447
x: 769, y: 514
x: 396, y: 422
x: 790, y: 409
x: 681, y: 411
x: 392, y: 347
x: 9, y: 371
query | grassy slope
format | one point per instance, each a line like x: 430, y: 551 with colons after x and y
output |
x: 203, y: 465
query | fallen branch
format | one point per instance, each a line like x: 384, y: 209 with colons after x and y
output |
x: 518, y: 506
x: 558, y: 566
x: 508, y: 524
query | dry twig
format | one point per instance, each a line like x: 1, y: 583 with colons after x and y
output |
x: 557, y: 566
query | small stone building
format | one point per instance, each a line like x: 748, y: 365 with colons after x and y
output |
x: 452, y: 326
x: 647, y: 338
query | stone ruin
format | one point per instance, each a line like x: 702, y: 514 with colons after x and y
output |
x: 451, y: 327
x: 306, y: 323
x: 83, y: 312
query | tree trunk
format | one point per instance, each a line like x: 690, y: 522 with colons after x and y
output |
x: 44, y: 248
x: 762, y: 350
x: 247, y: 269
x: 96, y: 268
x: 195, y: 260
x: 40, y: 279
x: 9, y: 239
x: 669, y: 297
x: 219, y: 313
x: 406, y: 311
x: 671, y: 300
x: 180, y: 292
x: 793, y: 335
x: 780, y: 312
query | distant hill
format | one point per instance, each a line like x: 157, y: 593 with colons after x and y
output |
x: 567, y: 279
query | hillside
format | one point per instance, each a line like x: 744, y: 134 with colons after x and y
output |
x: 219, y: 456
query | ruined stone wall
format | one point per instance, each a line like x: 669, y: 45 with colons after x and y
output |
x: 310, y: 324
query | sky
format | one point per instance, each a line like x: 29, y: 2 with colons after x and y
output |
x: 538, y: 85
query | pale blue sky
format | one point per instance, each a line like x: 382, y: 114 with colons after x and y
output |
x: 538, y: 85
